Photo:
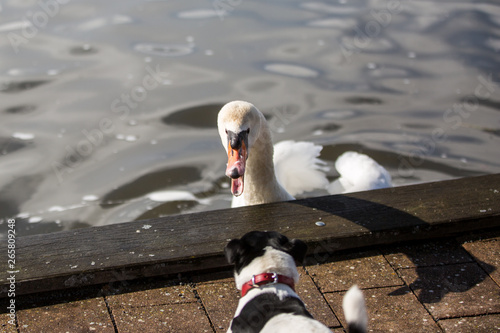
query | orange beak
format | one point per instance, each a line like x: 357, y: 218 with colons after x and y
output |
x: 236, y: 162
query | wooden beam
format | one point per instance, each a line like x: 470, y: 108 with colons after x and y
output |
x: 191, y: 242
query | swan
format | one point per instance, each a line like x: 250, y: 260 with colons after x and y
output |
x: 263, y: 173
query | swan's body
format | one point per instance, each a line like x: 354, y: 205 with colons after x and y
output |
x: 262, y: 173
x: 358, y: 172
x: 298, y: 167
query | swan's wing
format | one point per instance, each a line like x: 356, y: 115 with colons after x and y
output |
x: 358, y: 172
x: 298, y: 168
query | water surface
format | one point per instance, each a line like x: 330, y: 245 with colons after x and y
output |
x: 106, y: 103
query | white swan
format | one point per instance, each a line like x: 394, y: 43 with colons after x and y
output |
x: 261, y: 173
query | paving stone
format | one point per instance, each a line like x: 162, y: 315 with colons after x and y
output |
x: 156, y: 296
x: 220, y: 301
x: 181, y: 317
x: 487, y: 254
x: 314, y: 301
x: 435, y: 253
x: 89, y: 315
x: 5, y: 326
x: 338, y: 330
x: 454, y: 290
x: 390, y: 310
x: 367, y: 270
x: 490, y: 323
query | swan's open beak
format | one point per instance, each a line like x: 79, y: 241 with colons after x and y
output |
x: 237, y: 154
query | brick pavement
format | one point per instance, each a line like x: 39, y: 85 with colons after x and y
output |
x: 444, y: 285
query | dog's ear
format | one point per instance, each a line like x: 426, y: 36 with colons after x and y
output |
x: 298, y: 250
x: 233, y: 251
x: 294, y: 247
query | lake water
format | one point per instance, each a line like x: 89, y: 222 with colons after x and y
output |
x: 105, y: 103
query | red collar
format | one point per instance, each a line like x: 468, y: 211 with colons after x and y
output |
x: 266, y: 278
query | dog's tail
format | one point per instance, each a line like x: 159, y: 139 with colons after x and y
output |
x: 355, y: 311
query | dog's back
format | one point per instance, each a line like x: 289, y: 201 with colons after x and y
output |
x: 268, y: 312
x: 273, y: 306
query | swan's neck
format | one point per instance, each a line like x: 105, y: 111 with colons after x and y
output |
x: 260, y: 165
x: 261, y: 185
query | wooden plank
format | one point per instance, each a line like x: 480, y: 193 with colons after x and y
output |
x: 191, y: 242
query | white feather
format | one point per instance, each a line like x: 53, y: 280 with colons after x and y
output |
x: 358, y: 172
x: 298, y: 167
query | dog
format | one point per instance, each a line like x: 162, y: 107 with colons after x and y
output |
x: 266, y: 273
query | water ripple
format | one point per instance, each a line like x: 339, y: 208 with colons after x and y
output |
x: 200, y: 14
x: 200, y: 116
x: 11, y: 87
x: 291, y: 70
x: 165, y: 50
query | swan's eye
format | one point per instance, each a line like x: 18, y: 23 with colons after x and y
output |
x: 248, y: 131
x: 226, y: 131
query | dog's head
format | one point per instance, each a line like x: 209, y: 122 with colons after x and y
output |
x: 262, y: 252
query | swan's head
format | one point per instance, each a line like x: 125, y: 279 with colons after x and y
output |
x: 239, y: 125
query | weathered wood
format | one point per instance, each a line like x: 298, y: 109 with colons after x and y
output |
x: 191, y: 242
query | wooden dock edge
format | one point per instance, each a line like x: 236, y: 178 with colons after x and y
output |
x: 194, y: 242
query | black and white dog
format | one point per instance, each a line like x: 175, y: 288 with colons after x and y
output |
x: 265, y: 272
